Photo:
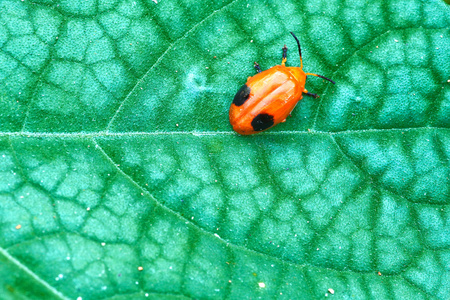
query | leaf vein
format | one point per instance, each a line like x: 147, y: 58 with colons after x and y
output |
x: 32, y: 274
x: 159, y: 59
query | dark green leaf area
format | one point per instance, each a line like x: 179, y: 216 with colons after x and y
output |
x: 385, y: 79
x: 396, y: 81
x: 409, y: 163
x: 321, y: 212
x: 276, y: 201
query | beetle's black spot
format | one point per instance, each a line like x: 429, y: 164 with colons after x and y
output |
x: 242, y: 95
x: 262, y: 122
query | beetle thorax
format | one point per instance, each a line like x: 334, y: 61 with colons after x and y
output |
x: 298, y: 73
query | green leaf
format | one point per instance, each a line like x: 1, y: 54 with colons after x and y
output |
x: 121, y: 177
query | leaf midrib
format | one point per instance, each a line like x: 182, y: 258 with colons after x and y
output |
x: 89, y: 135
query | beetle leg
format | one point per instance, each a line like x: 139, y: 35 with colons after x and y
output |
x: 283, y: 61
x: 310, y: 94
x: 257, y: 67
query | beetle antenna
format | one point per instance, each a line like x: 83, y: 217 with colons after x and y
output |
x: 301, y: 61
x: 299, y: 50
x: 317, y: 75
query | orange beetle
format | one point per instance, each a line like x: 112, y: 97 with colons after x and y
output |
x: 267, y: 98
